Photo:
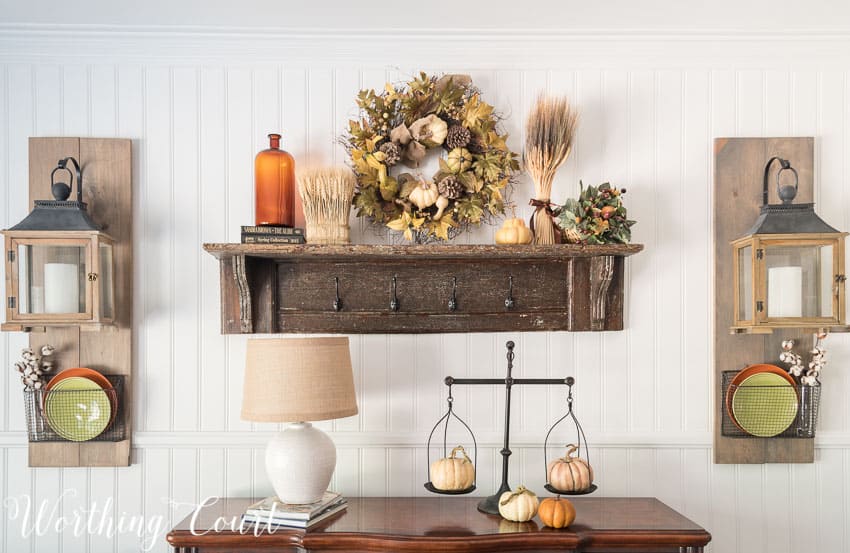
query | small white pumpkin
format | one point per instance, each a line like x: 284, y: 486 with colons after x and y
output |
x: 430, y: 131
x: 519, y: 505
x: 514, y: 231
x: 570, y: 474
x: 424, y: 195
x: 453, y: 473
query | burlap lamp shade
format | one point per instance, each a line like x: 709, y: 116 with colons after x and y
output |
x: 297, y: 380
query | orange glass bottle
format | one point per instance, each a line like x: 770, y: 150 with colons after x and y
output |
x: 274, y: 186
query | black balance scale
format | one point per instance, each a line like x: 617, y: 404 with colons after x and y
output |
x: 490, y: 505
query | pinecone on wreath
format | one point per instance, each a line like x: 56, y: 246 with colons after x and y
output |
x: 457, y: 137
x: 475, y: 145
x: 450, y: 187
x: 392, y: 151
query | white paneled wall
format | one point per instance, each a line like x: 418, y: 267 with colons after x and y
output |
x: 198, y: 109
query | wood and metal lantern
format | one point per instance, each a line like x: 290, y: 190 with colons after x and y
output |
x: 59, y: 264
x: 789, y: 267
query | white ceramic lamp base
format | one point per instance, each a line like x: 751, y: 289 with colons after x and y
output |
x: 300, y: 462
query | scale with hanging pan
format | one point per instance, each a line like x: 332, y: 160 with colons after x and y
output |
x: 490, y: 504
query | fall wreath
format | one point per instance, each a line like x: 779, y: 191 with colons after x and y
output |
x: 396, y: 131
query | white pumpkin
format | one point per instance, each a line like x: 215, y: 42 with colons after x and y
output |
x: 453, y: 473
x: 514, y: 231
x: 424, y: 195
x: 430, y: 131
x: 570, y: 474
x: 519, y: 505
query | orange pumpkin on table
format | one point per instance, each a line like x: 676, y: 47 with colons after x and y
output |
x: 555, y: 512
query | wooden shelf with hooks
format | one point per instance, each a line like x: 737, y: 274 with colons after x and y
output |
x: 350, y: 289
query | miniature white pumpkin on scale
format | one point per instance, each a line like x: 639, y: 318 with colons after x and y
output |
x: 570, y: 474
x: 453, y: 473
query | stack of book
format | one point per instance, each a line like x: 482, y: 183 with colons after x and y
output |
x: 272, y: 235
x: 273, y: 512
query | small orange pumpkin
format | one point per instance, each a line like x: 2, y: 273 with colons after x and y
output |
x: 556, y: 512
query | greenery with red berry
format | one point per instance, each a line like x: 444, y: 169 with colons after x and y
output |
x: 596, y: 217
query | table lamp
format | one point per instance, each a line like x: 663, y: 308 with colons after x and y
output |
x: 298, y: 380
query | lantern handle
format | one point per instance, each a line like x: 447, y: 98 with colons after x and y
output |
x: 785, y: 193
x: 63, y: 165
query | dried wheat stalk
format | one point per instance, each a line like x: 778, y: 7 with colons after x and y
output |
x: 326, y: 194
x: 549, y: 134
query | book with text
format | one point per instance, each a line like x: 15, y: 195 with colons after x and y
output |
x: 273, y: 507
x: 324, y: 514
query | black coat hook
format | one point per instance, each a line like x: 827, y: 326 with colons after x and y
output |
x: 509, y: 301
x: 453, y: 299
x: 337, y: 301
x: 394, y: 301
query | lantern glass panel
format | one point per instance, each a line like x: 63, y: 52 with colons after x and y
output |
x: 107, y: 307
x: 51, y: 279
x: 799, y: 281
x: 745, y: 283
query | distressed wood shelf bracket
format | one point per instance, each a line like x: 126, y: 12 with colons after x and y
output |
x: 601, y: 275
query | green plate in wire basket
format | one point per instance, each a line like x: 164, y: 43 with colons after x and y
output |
x: 765, y: 405
x: 77, y: 409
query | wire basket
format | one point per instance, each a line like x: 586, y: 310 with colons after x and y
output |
x: 42, y: 428
x: 769, y: 409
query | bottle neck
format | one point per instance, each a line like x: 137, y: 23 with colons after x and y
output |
x: 274, y: 141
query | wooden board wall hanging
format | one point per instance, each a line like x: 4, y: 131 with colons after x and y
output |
x: 738, y: 175
x: 107, y: 176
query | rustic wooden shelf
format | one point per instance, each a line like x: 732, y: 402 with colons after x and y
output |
x: 831, y: 329
x: 292, y: 288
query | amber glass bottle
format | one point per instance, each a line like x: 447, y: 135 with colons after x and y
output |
x: 274, y: 183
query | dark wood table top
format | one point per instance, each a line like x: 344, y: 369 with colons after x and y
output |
x: 448, y: 524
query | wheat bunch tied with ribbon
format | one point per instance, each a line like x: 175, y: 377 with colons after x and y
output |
x: 549, y: 134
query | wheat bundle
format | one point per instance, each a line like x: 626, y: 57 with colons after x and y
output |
x: 549, y: 133
x: 326, y: 194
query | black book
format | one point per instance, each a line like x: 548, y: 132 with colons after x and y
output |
x: 267, y: 230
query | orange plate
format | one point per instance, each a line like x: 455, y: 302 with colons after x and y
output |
x: 747, y: 372
x: 95, y: 377
x: 92, y: 375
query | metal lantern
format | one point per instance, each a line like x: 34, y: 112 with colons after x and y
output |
x: 59, y: 265
x: 789, y: 267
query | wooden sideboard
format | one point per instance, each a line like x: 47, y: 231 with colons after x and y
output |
x: 449, y: 524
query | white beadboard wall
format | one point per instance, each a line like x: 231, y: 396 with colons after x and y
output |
x: 198, y: 107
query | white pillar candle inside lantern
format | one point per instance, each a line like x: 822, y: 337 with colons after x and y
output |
x: 61, y: 288
x: 785, y: 292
